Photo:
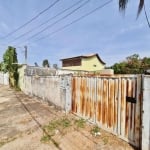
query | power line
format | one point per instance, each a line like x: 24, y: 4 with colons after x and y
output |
x: 49, y: 26
x: 78, y: 19
x: 146, y: 16
x: 32, y: 19
x: 60, y: 13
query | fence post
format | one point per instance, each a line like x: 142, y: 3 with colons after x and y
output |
x: 146, y: 113
x: 67, y: 86
x: 68, y: 94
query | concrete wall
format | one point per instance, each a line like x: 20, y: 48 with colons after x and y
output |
x: 53, y: 89
x: 21, y: 81
x: 58, y: 90
x: 146, y: 114
x: 4, y: 78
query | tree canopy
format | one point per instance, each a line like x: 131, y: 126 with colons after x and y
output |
x: 132, y: 65
x: 10, y: 65
x: 45, y: 63
x: 10, y: 60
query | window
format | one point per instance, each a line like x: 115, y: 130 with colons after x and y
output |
x: 72, y: 62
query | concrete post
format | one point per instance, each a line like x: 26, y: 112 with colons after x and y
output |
x: 66, y: 86
x: 146, y: 113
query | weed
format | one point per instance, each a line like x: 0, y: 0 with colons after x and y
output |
x: 95, y: 130
x: 65, y: 122
x: 6, y: 141
x: 105, y: 140
x: 57, y: 124
x: 45, y: 138
x: 2, y: 143
x: 80, y: 123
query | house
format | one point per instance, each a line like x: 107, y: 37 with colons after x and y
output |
x: 84, y: 63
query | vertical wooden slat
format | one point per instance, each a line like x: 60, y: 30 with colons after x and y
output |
x: 98, y: 102
x: 95, y: 98
x: 109, y: 105
x: 85, y: 96
x: 73, y: 94
x: 116, y: 99
x: 112, y: 103
x: 106, y: 102
x: 133, y: 110
x: 78, y: 95
x: 89, y: 100
x: 128, y: 109
x: 81, y: 95
x: 123, y: 106
x: 137, y: 113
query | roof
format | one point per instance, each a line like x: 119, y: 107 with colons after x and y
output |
x: 85, y: 56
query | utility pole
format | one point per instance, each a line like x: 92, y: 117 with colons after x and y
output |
x: 25, y: 54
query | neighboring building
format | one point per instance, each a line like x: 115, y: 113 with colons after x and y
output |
x: 85, y: 62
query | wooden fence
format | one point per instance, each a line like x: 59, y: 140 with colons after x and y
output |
x: 111, y: 102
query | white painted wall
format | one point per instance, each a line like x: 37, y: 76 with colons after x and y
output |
x: 4, y: 78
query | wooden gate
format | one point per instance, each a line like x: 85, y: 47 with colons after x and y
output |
x: 111, y: 102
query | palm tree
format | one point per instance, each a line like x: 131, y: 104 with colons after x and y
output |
x: 123, y: 5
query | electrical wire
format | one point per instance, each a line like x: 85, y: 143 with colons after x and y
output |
x: 64, y: 17
x: 50, y: 19
x: 78, y: 19
x: 146, y: 16
x: 32, y: 19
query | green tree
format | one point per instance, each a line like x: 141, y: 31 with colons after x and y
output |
x: 1, y: 66
x: 132, y: 65
x: 45, y: 63
x: 10, y: 65
x: 119, y: 68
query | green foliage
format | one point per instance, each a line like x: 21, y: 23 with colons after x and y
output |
x: 45, y: 63
x: 1, y: 66
x: 45, y: 138
x: 59, y: 124
x: 10, y: 65
x: 105, y: 140
x: 95, y: 130
x: 132, y: 65
x: 80, y: 123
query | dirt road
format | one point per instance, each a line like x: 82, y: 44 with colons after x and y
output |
x: 22, y: 121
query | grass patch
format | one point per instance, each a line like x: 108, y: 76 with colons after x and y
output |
x: 95, y: 130
x: 45, y: 138
x: 2, y: 143
x: 54, y: 127
x: 6, y: 141
x: 65, y: 123
x: 105, y: 140
x: 80, y: 123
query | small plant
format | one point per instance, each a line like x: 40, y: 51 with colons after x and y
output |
x: 95, y: 130
x: 80, y: 123
x: 65, y: 122
x: 57, y: 125
x: 105, y: 140
x: 45, y: 138
x: 2, y: 143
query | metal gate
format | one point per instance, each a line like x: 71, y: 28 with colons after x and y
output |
x: 111, y: 102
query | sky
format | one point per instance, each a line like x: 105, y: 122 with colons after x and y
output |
x: 111, y: 34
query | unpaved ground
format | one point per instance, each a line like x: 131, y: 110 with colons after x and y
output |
x: 22, y: 119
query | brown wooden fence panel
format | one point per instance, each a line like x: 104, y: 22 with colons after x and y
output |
x: 111, y: 102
